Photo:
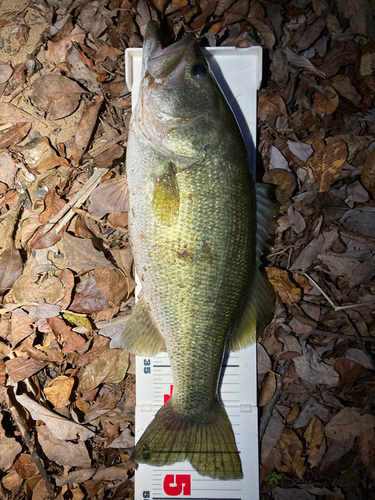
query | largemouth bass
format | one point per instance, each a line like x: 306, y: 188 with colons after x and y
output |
x: 193, y: 231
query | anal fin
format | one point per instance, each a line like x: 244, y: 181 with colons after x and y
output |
x: 141, y: 336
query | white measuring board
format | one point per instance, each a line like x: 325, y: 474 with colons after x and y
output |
x: 238, y: 72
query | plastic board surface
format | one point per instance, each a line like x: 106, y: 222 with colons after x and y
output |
x: 238, y: 72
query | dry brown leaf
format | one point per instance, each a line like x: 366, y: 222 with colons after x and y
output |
x: 2, y: 372
x: 29, y: 288
x: 40, y: 155
x: 111, y: 196
x: 106, y: 159
x: 118, y: 219
x: 57, y: 52
x: 85, y: 128
x: 81, y: 254
x: 293, y: 413
x: 327, y: 164
x: 42, y: 240
x: 293, y: 450
x: 53, y: 204
x: 349, y: 423
x: 20, y: 368
x: 20, y: 328
x: 67, y: 279
x: 112, y: 284
x: 289, y: 293
x: 5, y: 72
x: 285, y: 181
x: 11, y: 480
x: 111, y: 366
x: 272, y: 104
x: 10, y: 268
x: 88, y: 298
x: 10, y: 448
x: 367, y: 450
x: 59, y: 390
x: 59, y: 426
x: 106, y: 52
x: 349, y: 372
x: 345, y: 88
x: 314, y: 435
x: 368, y: 172
x: 268, y: 389
x: 14, y: 135
x: 63, y: 452
x: 325, y: 104
x: 56, y: 94
x: 72, y: 339
x: 25, y: 466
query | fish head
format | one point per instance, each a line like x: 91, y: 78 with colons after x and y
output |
x: 177, y: 89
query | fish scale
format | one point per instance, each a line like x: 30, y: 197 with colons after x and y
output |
x: 193, y: 234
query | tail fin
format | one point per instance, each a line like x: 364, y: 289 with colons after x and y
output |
x: 207, y: 442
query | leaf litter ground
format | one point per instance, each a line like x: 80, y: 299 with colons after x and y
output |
x: 67, y: 391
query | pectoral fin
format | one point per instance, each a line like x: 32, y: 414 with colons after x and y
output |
x: 141, y: 336
x: 167, y: 196
x: 258, y: 308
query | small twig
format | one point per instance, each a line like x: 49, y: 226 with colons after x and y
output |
x: 100, y: 149
x: 28, y: 115
x: 332, y: 304
x: 80, y: 197
x: 316, y: 86
x: 341, y: 335
x: 268, y: 409
x: 268, y: 369
x: 30, y: 445
x: 16, y: 306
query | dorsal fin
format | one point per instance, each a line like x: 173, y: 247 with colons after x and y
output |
x: 264, y: 217
x: 258, y: 307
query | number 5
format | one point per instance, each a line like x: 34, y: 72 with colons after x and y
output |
x: 177, y: 484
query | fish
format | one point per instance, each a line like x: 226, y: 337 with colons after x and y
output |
x: 197, y: 224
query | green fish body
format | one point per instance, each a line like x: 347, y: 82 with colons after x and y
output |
x: 193, y: 226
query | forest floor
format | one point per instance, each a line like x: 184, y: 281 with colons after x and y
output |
x: 67, y: 388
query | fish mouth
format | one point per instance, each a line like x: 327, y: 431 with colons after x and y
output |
x: 161, y: 62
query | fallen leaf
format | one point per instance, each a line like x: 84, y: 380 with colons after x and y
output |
x: 14, y: 135
x: 88, y: 298
x: 11, y: 480
x: 285, y: 181
x: 115, y: 472
x: 111, y: 196
x: 106, y: 159
x: 327, y: 164
x: 291, y: 494
x: 20, y: 368
x: 311, y: 368
x: 268, y: 390
x: 314, y: 435
x: 76, y: 476
x: 349, y: 372
x: 289, y: 293
x: 82, y: 256
x: 111, y: 366
x: 367, y: 450
x: 56, y: 94
x: 349, y: 423
x: 303, y: 62
x: 63, y: 452
x: 10, y: 268
x: 272, y: 104
x: 308, y: 254
x: 112, y: 284
x: 59, y: 390
x: 40, y: 155
x: 59, y: 426
x: 10, y: 448
x: 28, y: 288
x: 5, y: 72
x: 344, y: 87
x: 20, y: 328
x: 44, y: 311
x: 271, y: 435
x: 53, y: 204
x: 324, y: 104
x: 368, y: 172
x: 106, y: 52
x: 85, y: 128
x: 293, y: 450
x: 125, y: 440
x: 73, y: 340
x: 57, y: 52
x: 25, y: 466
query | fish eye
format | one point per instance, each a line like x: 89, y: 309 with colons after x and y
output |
x: 199, y: 70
